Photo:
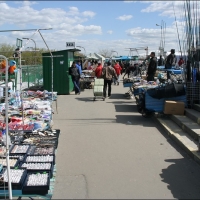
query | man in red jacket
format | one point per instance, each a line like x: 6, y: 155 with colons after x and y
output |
x: 118, y: 70
x: 98, y: 70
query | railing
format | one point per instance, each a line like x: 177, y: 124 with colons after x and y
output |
x: 32, y: 75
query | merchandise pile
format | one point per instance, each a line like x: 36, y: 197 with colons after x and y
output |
x: 32, y: 142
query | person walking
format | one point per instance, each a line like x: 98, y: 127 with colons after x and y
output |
x: 98, y: 70
x: 75, y: 74
x: 107, y: 74
x: 118, y: 70
x: 170, y: 61
x: 152, y: 67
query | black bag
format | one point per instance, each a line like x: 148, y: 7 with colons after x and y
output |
x: 168, y: 91
x: 174, y: 90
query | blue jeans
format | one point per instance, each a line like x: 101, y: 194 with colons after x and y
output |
x: 76, y: 86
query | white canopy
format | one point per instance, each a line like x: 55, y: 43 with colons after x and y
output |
x: 102, y: 58
x: 92, y: 56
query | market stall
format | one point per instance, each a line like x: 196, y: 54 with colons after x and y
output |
x: 28, y: 142
x: 32, y: 145
x: 151, y: 96
x: 86, y: 80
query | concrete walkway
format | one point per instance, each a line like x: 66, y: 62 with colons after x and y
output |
x: 108, y: 150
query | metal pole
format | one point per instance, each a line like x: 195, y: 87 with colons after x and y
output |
x: 35, y: 46
x: 7, y: 141
x: 51, y: 72
x: 83, y: 48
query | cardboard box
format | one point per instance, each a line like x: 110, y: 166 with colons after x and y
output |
x: 174, y: 107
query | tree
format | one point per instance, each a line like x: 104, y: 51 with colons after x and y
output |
x: 105, y: 53
x: 7, y: 50
x: 28, y: 57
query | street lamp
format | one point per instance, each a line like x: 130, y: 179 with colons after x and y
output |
x: 161, y: 40
x: 83, y: 48
x: 34, y: 43
x: 115, y: 51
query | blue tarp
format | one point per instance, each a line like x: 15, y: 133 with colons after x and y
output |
x: 123, y: 58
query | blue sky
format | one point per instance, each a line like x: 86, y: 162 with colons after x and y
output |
x: 94, y: 25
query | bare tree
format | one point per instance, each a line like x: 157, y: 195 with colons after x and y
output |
x: 106, y: 53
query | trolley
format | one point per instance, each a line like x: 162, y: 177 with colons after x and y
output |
x: 98, y: 88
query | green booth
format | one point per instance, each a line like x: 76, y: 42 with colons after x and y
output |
x: 62, y: 61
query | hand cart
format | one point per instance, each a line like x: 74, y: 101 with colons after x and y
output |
x: 130, y: 92
x: 98, y: 88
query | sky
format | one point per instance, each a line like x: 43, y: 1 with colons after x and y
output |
x: 94, y: 25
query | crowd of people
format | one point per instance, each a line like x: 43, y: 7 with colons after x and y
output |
x: 110, y: 71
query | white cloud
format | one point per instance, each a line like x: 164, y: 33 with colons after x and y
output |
x: 166, y: 8
x: 73, y: 11
x: 125, y: 17
x: 130, y: 1
x: 57, y: 18
x: 110, y: 32
x: 152, y: 37
x: 88, y: 13
x: 28, y: 2
x: 68, y: 24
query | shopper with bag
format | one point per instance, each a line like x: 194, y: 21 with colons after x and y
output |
x: 107, y: 74
x: 75, y: 74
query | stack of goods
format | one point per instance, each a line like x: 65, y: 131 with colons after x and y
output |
x: 36, y: 160
x: 33, y: 142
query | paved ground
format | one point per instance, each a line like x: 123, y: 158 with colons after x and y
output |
x: 108, y: 150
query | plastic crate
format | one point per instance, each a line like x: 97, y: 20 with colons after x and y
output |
x: 3, y: 161
x: 31, y: 150
x: 30, y: 158
x: 15, y: 145
x: 19, y: 156
x: 19, y: 185
x: 50, y: 170
x: 43, y: 152
x: 36, y: 189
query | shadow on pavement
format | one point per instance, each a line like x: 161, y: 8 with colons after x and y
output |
x: 117, y: 96
x: 123, y: 102
x: 87, y: 99
x: 182, y: 178
x: 135, y: 120
x: 126, y: 108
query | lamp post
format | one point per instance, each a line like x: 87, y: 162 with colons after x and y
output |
x: 35, y: 46
x: 83, y: 48
x: 161, y: 40
x: 115, y: 51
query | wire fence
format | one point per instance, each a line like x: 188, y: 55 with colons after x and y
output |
x: 193, y: 93
x: 32, y: 75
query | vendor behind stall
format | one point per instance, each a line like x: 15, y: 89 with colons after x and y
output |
x: 170, y: 61
x: 152, y: 67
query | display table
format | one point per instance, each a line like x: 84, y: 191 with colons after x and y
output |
x: 174, y: 70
